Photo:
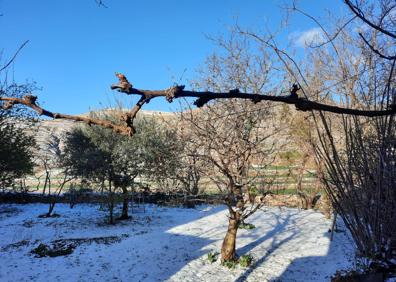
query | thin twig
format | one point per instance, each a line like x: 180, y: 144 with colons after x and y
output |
x: 15, y: 55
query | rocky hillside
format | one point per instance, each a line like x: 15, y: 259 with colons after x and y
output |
x: 58, y: 127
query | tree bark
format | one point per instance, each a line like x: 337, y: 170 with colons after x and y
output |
x: 111, y: 208
x: 228, y: 247
x: 51, y: 207
x: 102, y: 197
x: 111, y: 204
x: 125, y: 203
x: 45, y: 182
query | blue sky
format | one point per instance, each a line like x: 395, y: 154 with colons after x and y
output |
x: 75, y: 46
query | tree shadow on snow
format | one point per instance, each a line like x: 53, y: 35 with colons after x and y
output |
x: 276, y: 241
x: 153, y: 246
x: 313, y: 268
x: 160, y: 259
x: 309, y: 268
x: 158, y: 249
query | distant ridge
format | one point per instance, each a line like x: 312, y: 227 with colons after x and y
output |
x: 59, y: 127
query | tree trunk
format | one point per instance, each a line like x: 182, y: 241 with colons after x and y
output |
x: 228, y: 247
x: 125, y: 202
x: 103, y: 200
x: 111, y: 208
x: 51, y: 208
x: 111, y: 204
x: 45, y: 182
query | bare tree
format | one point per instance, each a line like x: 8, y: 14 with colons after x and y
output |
x: 190, y: 169
x: 360, y: 155
x: 302, y: 132
x: 356, y: 146
x: 358, y: 152
x: 229, y: 136
x: 50, y: 158
x: 228, y: 144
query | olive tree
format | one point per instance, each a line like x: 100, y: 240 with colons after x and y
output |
x: 16, y: 158
x: 100, y: 155
x: 170, y: 162
x: 16, y: 145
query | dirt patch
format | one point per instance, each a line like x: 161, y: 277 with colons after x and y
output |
x: 46, y: 215
x: 55, y: 250
x: 16, y: 245
x: 64, y: 247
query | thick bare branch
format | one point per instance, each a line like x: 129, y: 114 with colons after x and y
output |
x: 178, y: 91
x: 205, y: 96
x: 30, y: 102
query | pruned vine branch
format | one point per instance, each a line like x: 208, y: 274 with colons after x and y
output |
x: 178, y: 91
x: 30, y: 102
x: 204, y: 97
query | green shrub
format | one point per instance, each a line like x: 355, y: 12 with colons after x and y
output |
x: 246, y: 226
x: 245, y: 260
x: 231, y: 264
x: 212, y: 256
x: 253, y: 191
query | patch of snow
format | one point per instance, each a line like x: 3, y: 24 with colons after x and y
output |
x: 169, y: 244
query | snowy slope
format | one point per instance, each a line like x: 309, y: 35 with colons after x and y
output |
x: 169, y: 244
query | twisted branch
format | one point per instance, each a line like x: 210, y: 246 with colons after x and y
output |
x: 30, y: 102
x: 178, y: 91
x: 204, y: 97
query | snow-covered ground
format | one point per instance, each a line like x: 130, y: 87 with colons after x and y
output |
x: 169, y: 244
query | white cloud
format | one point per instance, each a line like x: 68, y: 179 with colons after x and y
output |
x: 313, y: 36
